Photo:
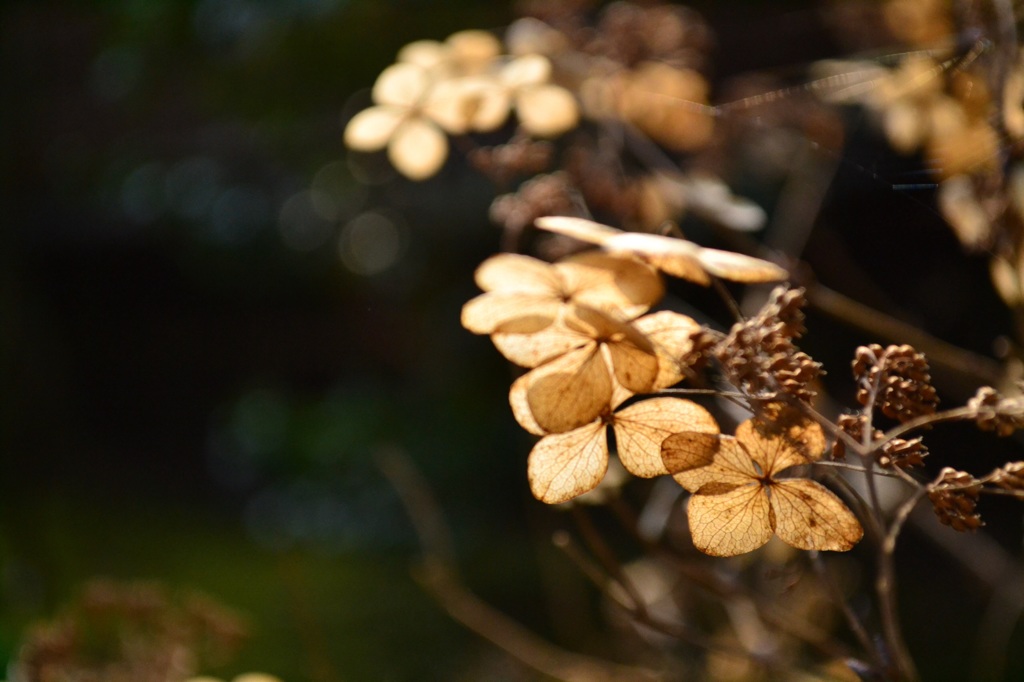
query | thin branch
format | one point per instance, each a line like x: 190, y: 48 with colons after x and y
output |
x: 437, y: 574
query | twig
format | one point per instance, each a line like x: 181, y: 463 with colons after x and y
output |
x: 437, y: 574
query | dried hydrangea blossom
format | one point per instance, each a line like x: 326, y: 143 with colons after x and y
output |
x: 740, y: 500
x: 523, y: 295
x: 676, y: 257
x: 583, y: 364
x: 565, y: 465
x: 404, y: 120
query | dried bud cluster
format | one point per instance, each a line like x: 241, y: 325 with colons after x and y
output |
x: 954, y: 497
x: 543, y: 195
x: 897, y: 379
x: 896, y: 452
x: 1010, y: 476
x: 993, y: 412
x: 759, y: 355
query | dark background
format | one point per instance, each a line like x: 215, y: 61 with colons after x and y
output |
x: 198, y: 375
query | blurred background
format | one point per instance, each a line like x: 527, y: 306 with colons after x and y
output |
x: 213, y: 325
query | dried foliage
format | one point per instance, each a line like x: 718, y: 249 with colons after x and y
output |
x: 608, y: 119
x: 131, y: 632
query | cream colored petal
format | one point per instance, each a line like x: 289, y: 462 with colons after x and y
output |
x: 959, y: 204
x: 566, y: 465
x: 809, y: 516
x: 370, y: 129
x: 702, y: 459
x: 515, y: 272
x: 737, y: 267
x: 473, y: 48
x: 401, y: 85
x: 622, y: 287
x: 672, y: 336
x: 547, y: 110
x: 676, y: 257
x: 531, y: 69
x: 510, y: 313
x: 571, y: 391
x: 424, y: 53
x: 634, y: 367
x: 641, y: 428
x: 735, y: 521
x: 776, y: 447
x: 520, y: 404
x: 578, y: 228
x: 418, y: 149
x: 537, y: 348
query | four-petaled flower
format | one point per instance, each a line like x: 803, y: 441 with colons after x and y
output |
x: 739, y: 499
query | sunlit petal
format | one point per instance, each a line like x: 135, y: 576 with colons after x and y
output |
x: 641, y: 428
x: 809, y: 516
x: 370, y: 129
x: 418, y: 149
x: 734, y: 521
x: 565, y: 465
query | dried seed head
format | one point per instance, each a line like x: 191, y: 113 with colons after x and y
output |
x: 1010, y: 476
x: 954, y: 497
x: 993, y: 412
x: 853, y: 426
x: 543, y: 195
x: 902, y: 453
x: 520, y: 157
x: 759, y: 355
x: 898, y: 379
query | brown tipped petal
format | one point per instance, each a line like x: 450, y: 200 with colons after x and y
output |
x: 566, y: 465
x: 641, y: 428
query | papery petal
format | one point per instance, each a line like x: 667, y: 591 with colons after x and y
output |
x: 565, y: 465
x: 518, y: 400
x: 672, y: 336
x: 703, y: 459
x: 515, y: 272
x: 533, y: 350
x: 418, y: 149
x: 571, y: 391
x: 513, y: 313
x: 531, y: 69
x: 735, y: 521
x: 401, y: 85
x: 641, y: 428
x: 578, y: 228
x: 809, y: 516
x: 737, y: 267
x: 622, y: 287
x: 777, y: 446
x: 370, y: 129
x: 547, y: 110
x: 676, y: 257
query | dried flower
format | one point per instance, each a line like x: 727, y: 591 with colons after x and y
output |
x: 676, y: 257
x: 739, y: 500
x: 525, y: 295
x: 565, y: 465
x: 1010, y: 476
